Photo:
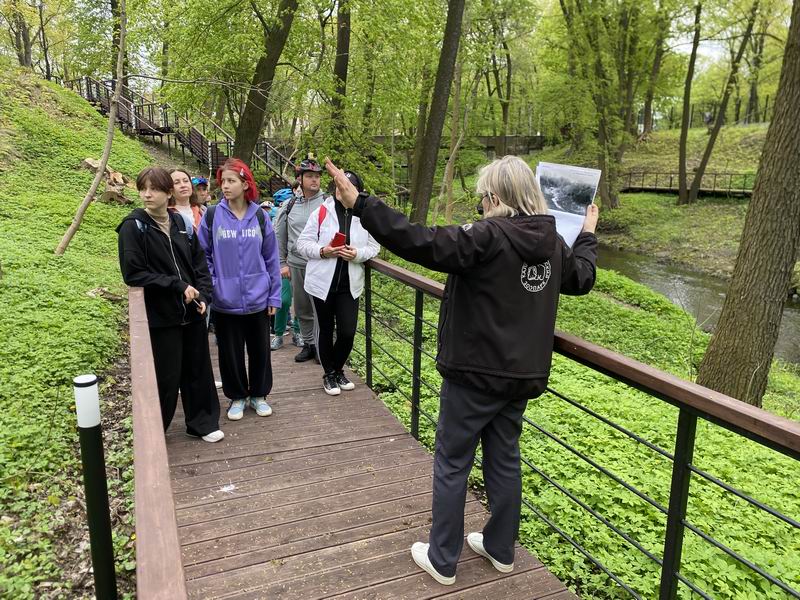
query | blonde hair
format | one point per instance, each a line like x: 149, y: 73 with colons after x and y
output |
x: 513, y: 186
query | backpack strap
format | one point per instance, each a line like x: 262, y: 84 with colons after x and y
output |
x: 323, y: 212
x: 188, y: 226
x: 261, y: 219
x: 290, y: 206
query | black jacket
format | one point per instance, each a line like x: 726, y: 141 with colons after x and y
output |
x: 498, y: 313
x: 164, y: 267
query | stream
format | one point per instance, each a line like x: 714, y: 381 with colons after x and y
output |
x: 699, y: 294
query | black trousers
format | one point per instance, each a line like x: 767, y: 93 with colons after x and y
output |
x: 183, y: 362
x: 234, y: 333
x: 339, y: 313
x: 467, y: 416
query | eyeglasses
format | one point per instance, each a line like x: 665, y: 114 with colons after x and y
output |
x: 479, y: 207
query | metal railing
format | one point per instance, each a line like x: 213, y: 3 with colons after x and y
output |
x: 693, y: 402
x: 159, y: 570
x: 729, y: 184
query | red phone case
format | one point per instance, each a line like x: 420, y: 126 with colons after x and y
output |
x: 338, y: 240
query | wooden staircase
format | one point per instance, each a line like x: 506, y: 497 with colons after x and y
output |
x: 200, y: 136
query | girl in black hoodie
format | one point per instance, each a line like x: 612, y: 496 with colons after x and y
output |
x: 159, y: 252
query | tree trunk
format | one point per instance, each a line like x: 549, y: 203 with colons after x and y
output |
x: 655, y: 71
x: 455, y: 146
x: 252, y: 117
x: 503, y: 91
x: 751, y: 116
x: 116, y: 45
x: 48, y: 69
x: 701, y: 169
x: 340, y: 72
x: 23, y: 43
x: 112, y: 124
x: 165, y: 54
x: 739, y: 357
x: 366, y: 116
x: 419, y: 135
x: 441, y: 94
x: 683, y: 190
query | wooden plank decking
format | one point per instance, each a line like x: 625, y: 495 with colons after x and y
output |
x: 322, y: 499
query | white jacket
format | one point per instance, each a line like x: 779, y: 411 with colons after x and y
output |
x: 319, y: 271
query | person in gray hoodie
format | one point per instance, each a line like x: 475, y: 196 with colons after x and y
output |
x: 289, y: 224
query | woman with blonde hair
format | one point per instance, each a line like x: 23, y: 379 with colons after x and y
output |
x: 505, y: 272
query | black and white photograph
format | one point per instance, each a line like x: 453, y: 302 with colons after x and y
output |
x: 568, y: 190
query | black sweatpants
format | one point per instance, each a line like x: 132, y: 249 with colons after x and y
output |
x: 182, y: 361
x: 234, y: 333
x: 339, y: 312
x: 466, y: 416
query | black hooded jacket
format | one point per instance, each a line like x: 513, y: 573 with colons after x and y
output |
x: 164, y: 267
x: 498, y: 314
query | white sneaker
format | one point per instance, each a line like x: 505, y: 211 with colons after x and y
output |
x: 419, y: 552
x: 259, y: 404
x: 214, y: 436
x: 218, y: 385
x: 475, y: 541
x: 236, y: 409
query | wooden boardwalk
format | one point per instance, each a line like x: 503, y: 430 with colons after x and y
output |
x: 323, y: 499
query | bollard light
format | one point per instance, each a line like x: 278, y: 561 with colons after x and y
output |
x: 98, y: 515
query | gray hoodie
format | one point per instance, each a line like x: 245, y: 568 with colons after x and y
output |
x: 288, y: 230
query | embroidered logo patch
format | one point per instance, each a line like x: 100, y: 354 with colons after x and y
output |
x: 466, y: 226
x: 534, y: 278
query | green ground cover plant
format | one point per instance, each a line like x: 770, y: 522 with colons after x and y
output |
x: 631, y: 319
x: 54, y: 326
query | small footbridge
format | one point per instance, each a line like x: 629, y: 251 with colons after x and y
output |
x: 324, y: 498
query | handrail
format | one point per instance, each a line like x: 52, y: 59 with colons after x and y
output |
x: 774, y: 431
x: 159, y: 570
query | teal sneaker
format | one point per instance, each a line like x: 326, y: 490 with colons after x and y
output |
x: 259, y: 404
x: 236, y: 409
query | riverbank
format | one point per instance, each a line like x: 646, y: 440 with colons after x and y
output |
x: 703, y: 236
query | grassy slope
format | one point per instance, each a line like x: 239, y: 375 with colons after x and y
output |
x: 630, y: 319
x: 51, y: 329
x: 737, y: 150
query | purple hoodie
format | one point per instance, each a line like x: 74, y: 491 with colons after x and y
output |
x: 243, y: 261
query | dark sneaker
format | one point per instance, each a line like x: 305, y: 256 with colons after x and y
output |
x: 343, y: 382
x: 307, y: 353
x: 330, y: 385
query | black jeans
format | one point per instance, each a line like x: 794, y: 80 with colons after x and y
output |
x: 339, y: 312
x: 234, y: 333
x: 182, y: 361
x: 466, y: 416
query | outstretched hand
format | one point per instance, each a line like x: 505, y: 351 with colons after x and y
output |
x: 346, y: 192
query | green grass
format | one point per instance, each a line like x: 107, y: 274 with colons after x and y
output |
x: 737, y: 150
x: 52, y: 329
x: 629, y: 318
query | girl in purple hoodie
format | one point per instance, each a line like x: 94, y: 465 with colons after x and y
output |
x: 242, y: 255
